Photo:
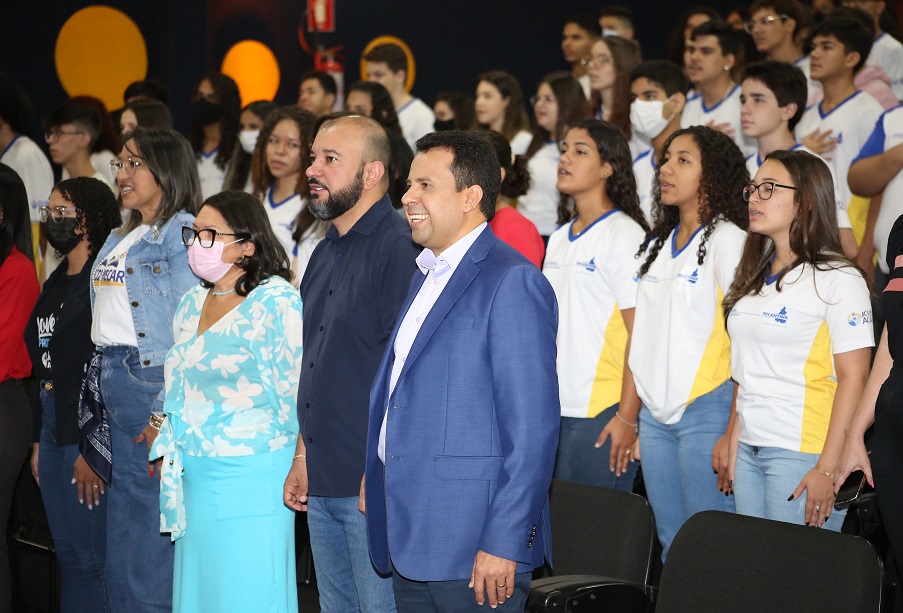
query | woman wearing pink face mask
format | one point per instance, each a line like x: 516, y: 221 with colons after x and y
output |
x: 231, y: 425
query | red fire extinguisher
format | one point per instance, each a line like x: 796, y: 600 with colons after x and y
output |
x: 329, y: 61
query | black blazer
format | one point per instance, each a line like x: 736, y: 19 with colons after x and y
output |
x: 69, y: 352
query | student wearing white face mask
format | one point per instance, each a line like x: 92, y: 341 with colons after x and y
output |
x: 252, y: 118
x: 657, y: 88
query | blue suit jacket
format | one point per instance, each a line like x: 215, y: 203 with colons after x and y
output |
x: 473, y: 424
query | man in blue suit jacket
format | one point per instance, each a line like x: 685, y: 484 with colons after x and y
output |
x: 464, y: 408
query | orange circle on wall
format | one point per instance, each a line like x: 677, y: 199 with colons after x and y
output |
x: 253, y: 66
x: 99, y: 52
x: 411, y: 72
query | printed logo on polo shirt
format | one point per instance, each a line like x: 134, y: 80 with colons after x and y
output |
x: 859, y: 318
x: 589, y: 266
x: 691, y: 278
x: 781, y: 316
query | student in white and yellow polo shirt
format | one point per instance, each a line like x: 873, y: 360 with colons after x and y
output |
x: 680, y: 352
x: 800, y: 326
x: 591, y: 264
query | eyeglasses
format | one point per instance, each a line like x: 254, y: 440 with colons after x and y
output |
x: 534, y: 100
x: 765, y: 189
x: 763, y: 21
x: 57, y: 213
x: 129, y: 165
x: 54, y: 135
x: 206, y: 237
x: 599, y: 60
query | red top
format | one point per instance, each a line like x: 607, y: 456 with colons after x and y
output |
x: 519, y: 232
x: 19, y: 291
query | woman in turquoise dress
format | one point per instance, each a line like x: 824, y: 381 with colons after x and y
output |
x: 230, y: 425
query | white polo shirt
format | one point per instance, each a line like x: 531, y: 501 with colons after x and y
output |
x: 696, y: 113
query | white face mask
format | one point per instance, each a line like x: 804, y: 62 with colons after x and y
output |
x: 646, y: 117
x: 248, y: 140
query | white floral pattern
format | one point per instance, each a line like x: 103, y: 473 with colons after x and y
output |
x: 231, y: 391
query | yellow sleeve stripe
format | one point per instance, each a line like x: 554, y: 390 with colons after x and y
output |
x: 610, y: 367
x: 820, y: 389
x: 715, y: 365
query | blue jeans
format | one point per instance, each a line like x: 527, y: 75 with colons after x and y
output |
x: 453, y: 596
x: 677, y: 462
x: 346, y: 578
x: 579, y: 461
x: 79, y: 535
x: 765, y: 476
x: 139, y: 562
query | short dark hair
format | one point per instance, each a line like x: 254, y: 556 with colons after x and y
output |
x: 586, y: 22
x: 15, y: 106
x: 248, y: 219
x: 850, y: 33
x: 148, y: 89
x: 667, y: 75
x: 389, y: 54
x: 95, y: 208
x: 786, y: 82
x: 728, y: 39
x: 620, y: 12
x: 84, y: 116
x: 855, y: 13
x: 791, y: 8
x: 169, y: 157
x: 151, y: 113
x: 327, y: 82
x: 473, y: 163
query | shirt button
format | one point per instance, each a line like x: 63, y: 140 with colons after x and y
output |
x: 321, y: 328
x: 330, y: 292
x: 157, y: 269
x: 307, y: 406
x: 141, y: 335
x: 311, y: 364
x: 134, y: 303
x: 129, y: 270
x: 147, y: 362
x: 310, y: 439
x: 418, y: 319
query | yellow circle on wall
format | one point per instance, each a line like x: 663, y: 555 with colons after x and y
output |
x: 382, y: 40
x: 99, y: 51
x: 253, y: 66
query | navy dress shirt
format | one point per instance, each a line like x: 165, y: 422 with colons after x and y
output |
x: 352, y: 290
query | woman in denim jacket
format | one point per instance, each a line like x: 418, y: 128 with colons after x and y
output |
x: 140, y: 274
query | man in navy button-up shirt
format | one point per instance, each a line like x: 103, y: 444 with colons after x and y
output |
x: 352, y: 290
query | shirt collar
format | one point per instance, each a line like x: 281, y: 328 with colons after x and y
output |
x: 368, y: 221
x: 451, y: 257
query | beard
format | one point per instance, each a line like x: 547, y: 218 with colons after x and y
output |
x: 339, y: 202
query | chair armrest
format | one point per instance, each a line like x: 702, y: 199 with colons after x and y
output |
x: 588, y: 594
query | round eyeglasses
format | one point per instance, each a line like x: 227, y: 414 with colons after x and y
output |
x: 765, y: 189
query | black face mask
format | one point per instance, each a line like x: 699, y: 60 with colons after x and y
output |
x: 441, y: 125
x: 61, y: 235
x: 204, y: 112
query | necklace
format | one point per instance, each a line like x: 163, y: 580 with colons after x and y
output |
x: 216, y: 293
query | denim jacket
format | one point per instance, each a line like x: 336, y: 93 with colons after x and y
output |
x: 157, y: 276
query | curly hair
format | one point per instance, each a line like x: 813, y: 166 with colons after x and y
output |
x: 620, y: 187
x: 230, y: 121
x: 96, y: 210
x: 517, y: 176
x: 249, y: 221
x: 720, y: 196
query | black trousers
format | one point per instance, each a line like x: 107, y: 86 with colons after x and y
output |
x: 15, y: 440
x: 887, y: 461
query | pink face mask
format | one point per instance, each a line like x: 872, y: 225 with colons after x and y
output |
x: 207, y: 263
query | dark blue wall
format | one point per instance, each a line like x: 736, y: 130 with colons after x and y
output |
x: 452, y: 41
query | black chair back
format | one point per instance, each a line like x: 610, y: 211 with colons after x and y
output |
x: 725, y: 562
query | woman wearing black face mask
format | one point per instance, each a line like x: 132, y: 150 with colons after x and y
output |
x: 215, y: 124
x: 78, y: 218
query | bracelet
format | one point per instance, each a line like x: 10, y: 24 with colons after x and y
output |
x: 155, y: 421
x: 823, y: 471
x: 632, y: 425
x: 300, y: 455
